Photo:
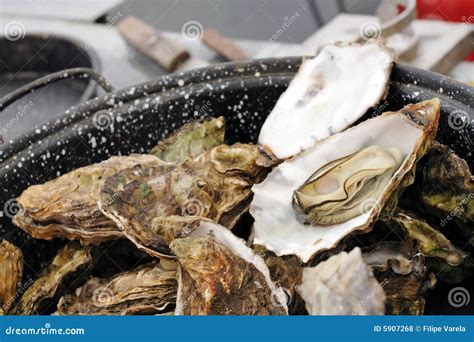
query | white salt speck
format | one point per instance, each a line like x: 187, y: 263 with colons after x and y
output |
x: 181, y: 83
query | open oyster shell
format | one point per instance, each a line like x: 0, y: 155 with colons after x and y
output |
x: 11, y: 272
x: 191, y: 140
x: 431, y: 242
x: 216, y: 184
x: 342, y: 285
x: 220, y: 275
x: 149, y: 289
x: 68, y: 268
x: 278, y: 226
x: 66, y: 207
x: 327, y: 95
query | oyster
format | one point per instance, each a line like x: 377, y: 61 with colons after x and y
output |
x: 220, y: 275
x: 431, y: 242
x: 448, y: 185
x: 66, y: 207
x: 149, y: 289
x: 336, y: 192
x: 342, y: 285
x: 66, y: 270
x: 11, y: 272
x: 216, y: 184
x: 278, y: 226
x: 191, y: 140
x: 328, y: 94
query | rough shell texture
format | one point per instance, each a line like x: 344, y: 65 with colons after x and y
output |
x: 342, y: 285
x: 66, y: 207
x: 328, y: 94
x: 191, y: 140
x: 448, y: 185
x: 11, y: 272
x: 277, y: 225
x: 149, y: 289
x: 66, y: 271
x: 216, y: 185
x: 431, y: 242
x: 220, y: 275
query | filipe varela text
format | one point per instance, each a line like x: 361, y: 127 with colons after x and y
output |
x: 444, y: 328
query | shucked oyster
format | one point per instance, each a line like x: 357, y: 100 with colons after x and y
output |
x: 220, y: 275
x: 277, y: 224
x: 66, y: 207
x: 11, y: 272
x: 342, y: 285
x: 191, y: 140
x: 216, y: 184
x: 149, y: 289
x: 336, y: 192
x: 66, y: 269
x: 328, y: 94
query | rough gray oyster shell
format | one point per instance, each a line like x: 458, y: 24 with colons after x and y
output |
x: 148, y: 289
x: 342, y: 285
x: 215, y: 185
x: 191, y: 140
x: 68, y: 268
x: 11, y: 272
x: 66, y: 207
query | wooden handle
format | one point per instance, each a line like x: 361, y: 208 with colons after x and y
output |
x: 224, y: 46
x: 147, y: 40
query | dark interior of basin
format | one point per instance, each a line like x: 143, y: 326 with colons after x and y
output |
x: 26, y: 59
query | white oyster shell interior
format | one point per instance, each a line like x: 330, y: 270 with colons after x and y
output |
x: 329, y: 93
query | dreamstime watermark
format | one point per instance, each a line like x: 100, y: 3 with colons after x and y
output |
x: 97, y: 38
x: 14, y: 30
x: 193, y: 207
x: 368, y: 205
x: 458, y: 297
x: 459, y: 120
x: 287, y: 22
x: 376, y: 289
x: 192, y: 30
x: 370, y: 30
x: 102, y: 297
x: 459, y: 209
x: 10, y: 208
x: 381, y: 108
x: 46, y: 330
x: 103, y: 119
x: 21, y: 111
x: 17, y: 295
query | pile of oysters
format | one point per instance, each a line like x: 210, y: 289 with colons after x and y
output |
x: 328, y: 214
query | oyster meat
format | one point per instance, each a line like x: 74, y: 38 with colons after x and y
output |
x: 216, y: 184
x: 66, y: 270
x: 220, y: 275
x: 328, y: 94
x: 278, y: 225
x: 191, y: 140
x: 336, y: 192
x: 431, y: 242
x: 342, y: 285
x: 66, y: 207
x: 148, y: 289
x: 11, y: 272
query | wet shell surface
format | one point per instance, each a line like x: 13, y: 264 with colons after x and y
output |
x: 328, y: 94
x: 219, y: 274
x: 278, y: 225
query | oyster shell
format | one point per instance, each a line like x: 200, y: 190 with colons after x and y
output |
x: 220, y: 275
x: 11, y: 272
x: 67, y: 269
x: 216, y: 184
x: 277, y: 224
x: 342, y: 285
x: 448, y: 185
x: 336, y: 192
x: 327, y: 95
x: 431, y: 242
x: 149, y: 289
x: 191, y: 140
x: 66, y: 207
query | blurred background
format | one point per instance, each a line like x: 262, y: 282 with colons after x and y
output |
x: 133, y: 41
